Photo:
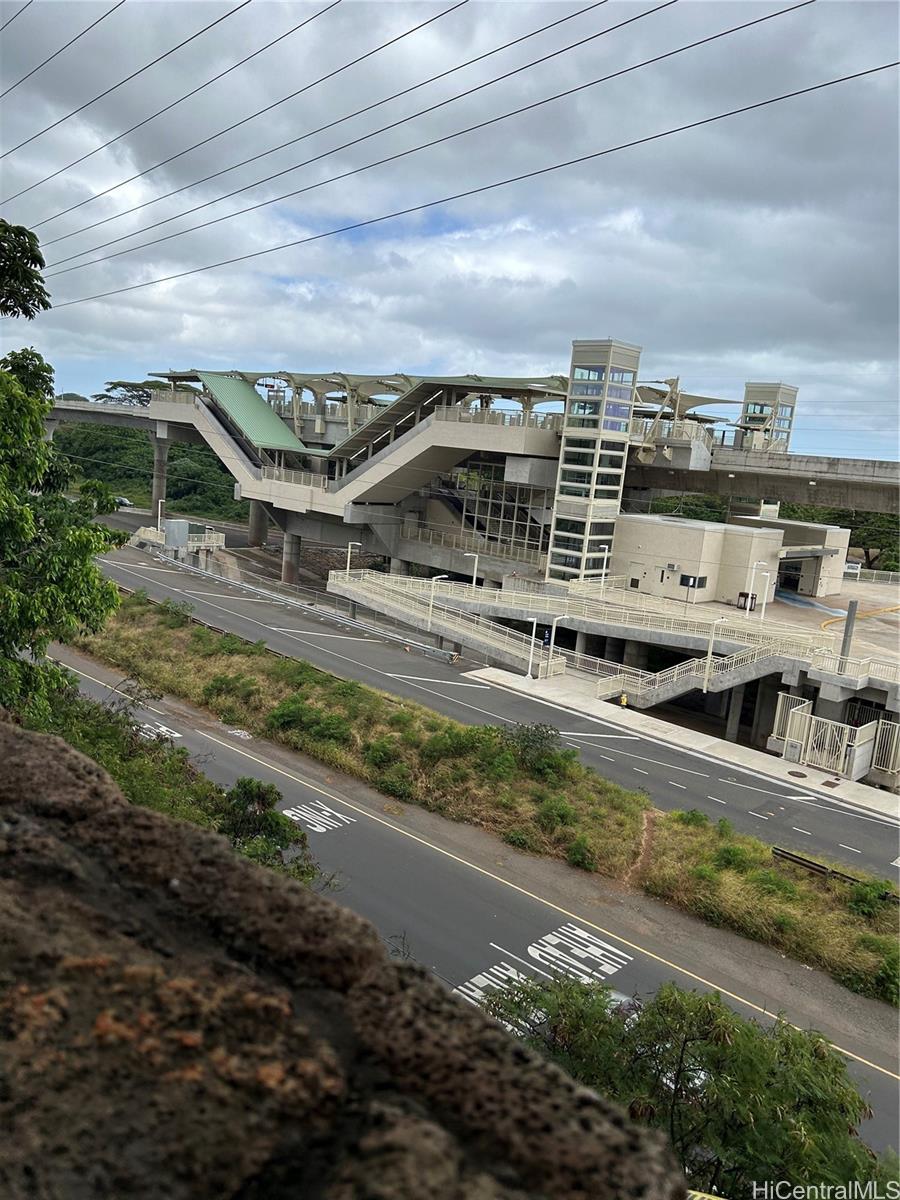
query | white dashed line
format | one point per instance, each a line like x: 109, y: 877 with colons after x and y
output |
x: 716, y: 798
x: 672, y: 783
x: 639, y: 771
x: 797, y: 829
x: 760, y: 815
x: 853, y: 848
x: 606, y: 756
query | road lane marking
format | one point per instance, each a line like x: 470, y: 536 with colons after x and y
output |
x: 639, y: 771
x: 716, y: 798
x: 318, y: 816
x: 530, y: 966
x: 515, y: 887
x: 835, y: 806
x: 111, y: 687
x: 440, y: 682
x: 672, y: 783
x: 621, y: 737
x: 606, y: 756
x: 751, y: 813
x: 347, y: 637
x: 853, y: 848
x: 797, y: 829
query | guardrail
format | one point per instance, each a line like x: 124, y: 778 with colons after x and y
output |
x: 299, y: 478
x: 864, y: 575
x: 469, y: 542
x: 817, y: 868
x: 669, y: 431
x: 489, y: 416
x: 857, y: 668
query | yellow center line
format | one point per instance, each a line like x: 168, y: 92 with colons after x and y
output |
x: 531, y: 895
x: 875, y: 612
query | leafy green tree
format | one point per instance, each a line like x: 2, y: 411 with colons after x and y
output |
x: 122, y: 391
x: 739, y: 1102
x: 30, y: 369
x: 251, y: 821
x: 22, y: 291
x: 50, y: 586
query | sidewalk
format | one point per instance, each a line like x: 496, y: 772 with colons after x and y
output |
x: 576, y: 696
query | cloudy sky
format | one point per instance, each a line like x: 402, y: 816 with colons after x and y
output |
x: 760, y: 247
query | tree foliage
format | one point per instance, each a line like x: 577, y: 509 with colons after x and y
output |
x: 739, y: 1102
x: 251, y: 821
x: 32, y: 372
x: 123, y: 391
x: 50, y: 586
x: 22, y: 291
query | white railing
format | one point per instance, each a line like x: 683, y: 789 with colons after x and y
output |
x: 886, y: 756
x: 199, y: 541
x: 755, y: 633
x: 784, y: 707
x: 864, y: 575
x: 298, y: 478
x: 422, y: 612
x: 857, y: 668
x: 488, y: 416
x: 670, y: 431
x: 470, y: 542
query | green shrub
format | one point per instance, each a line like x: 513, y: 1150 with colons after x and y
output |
x: 538, y: 750
x: 693, y: 817
x: 174, y: 614
x: 294, y: 713
x: 240, y: 687
x: 521, y: 838
x: 867, y: 899
x: 449, y: 743
x: 554, y: 812
x: 400, y: 720
x: 784, y: 922
x: 732, y: 857
x: 381, y: 752
x: 396, y: 781
x: 580, y: 854
x: 705, y: 874
x: 724, y: 828
x: 772, y: 883
x: 499, y: 767
x: 295, y: 673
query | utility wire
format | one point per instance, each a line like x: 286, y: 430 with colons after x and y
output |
x: 259, y: 112
x: 134, y: 74
x: 402, y: 153
x: 283, y: 145
x: 18, y: 13
x: 109, y: 12
x: 487, y: 187
x: 346, y: 145
x: 159, y: 112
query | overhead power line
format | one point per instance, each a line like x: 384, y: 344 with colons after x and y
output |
x: 16, y: 14
x: 292, y: 141
x: 134, y: 74
x: 34, y: 70
x: 259, y: 112
x: 403, y: 153
x: 487, y: 187
x: 159, y: 112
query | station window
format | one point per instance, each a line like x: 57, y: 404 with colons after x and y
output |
x: 602, y: 528
x: 563, y: 541
x: 567, y: 526
x: 568, y: 476
x: 615, y: 426
x: 571, y: 489
x: 595, y: 564
x: 606, y: 493
x: 608, y: 480
x: 618, y: 392
x: 610, y: 445
x: 585, y: 408
x: 589, y: 373
x: 759, y: 409
x: 692, y: 581
x: 610, y: 460
x: 579, y: 443
x: 617, y: 410
x: 785, y: 410
x: 578, y: 458
x: 618, y: 375
x: 566, y: 560
x: 587, y: 389
x: 582, y: 422
x: 781, y: 423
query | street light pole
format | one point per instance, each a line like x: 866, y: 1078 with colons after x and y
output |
x: 350, y: 546
x: 553, y: 625
x: 472, y: 554
x: 767, y: 576
x: 750, y: 592
x: 531, y: 648
x: 709, y: 652
x: 431, y: 597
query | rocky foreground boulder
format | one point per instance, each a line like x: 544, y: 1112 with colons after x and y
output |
x: 177, y: 1023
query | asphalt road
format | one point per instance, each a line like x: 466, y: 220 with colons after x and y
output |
x: 779, y: 814
x: 479, y: 915
x: 131, y: 519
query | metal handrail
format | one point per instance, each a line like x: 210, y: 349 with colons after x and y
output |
x: 297, y: 478
x: 488, y: 416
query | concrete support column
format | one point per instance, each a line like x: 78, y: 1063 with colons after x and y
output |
x: 735, y: 704
x: 764, y: 712
x: 580, y: 642
x: 831, y: 710
x: 635, y: 654
x: 615, y: 649
x: 399, y: 566
x: 50, y: 427
x: 290, y: 558
x: 258, y: 525
x: 160, y: 464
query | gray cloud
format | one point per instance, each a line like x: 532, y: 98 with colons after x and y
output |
x: 761, y: 247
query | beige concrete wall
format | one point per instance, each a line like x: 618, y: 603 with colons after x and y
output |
x: 644, y: 548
